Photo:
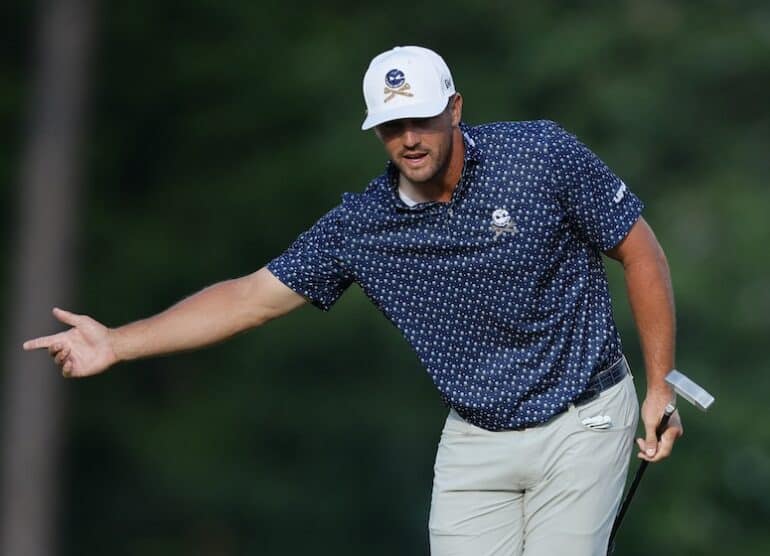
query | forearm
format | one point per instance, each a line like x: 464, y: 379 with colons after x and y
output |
x: 209, y: 316
x: 651, y: 297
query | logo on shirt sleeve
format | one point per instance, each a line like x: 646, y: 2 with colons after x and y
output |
x: 620, y: 193
x: 502, y: 223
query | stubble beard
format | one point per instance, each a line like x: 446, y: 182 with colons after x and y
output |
x: 428, y: 175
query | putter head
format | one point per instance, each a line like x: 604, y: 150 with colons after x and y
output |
x: 690, y: 391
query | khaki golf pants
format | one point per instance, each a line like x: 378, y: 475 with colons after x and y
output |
x: 546, y: 491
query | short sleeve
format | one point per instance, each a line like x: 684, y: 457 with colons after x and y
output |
x: 600, y: 206
x: 314, y: 265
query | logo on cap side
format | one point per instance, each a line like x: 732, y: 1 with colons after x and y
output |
x: 395, y: 84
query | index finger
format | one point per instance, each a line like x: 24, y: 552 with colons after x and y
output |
x: 41, y: 342
x: 666, y: 442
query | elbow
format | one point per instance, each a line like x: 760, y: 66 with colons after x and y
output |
x: 255, y: 307
x: 261, y: 315
x: 245, y: 312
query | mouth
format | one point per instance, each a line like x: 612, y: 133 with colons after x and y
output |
x: 415, y: 159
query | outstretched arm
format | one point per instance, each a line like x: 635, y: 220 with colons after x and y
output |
x: 652, y: 303
x: 209, y: 316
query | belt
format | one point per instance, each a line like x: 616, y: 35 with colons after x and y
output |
x: 603, y: 380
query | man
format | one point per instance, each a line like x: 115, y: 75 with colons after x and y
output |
x: 483, y: 246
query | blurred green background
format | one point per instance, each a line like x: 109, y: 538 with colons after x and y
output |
x: 218, y: 131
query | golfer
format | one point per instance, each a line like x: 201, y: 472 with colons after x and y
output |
x: 483, y: 245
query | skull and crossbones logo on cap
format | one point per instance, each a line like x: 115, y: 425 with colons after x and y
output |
x: 395, y: 84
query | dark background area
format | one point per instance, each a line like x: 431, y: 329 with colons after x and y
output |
x: 216, y: 132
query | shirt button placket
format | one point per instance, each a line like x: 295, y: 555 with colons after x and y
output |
x: 448, y: 216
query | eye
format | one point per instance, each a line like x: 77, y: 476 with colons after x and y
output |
x: 391, y: 128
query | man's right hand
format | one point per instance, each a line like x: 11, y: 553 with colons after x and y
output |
x: 85, y: 349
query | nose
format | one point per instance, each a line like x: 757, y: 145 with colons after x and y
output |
x: 410, y: 137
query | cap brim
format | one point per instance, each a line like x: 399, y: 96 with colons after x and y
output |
x: 423, y: 110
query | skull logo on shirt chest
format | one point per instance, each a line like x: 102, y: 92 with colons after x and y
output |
x: 502, y: 223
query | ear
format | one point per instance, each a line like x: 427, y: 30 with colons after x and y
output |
x: 457, y: 109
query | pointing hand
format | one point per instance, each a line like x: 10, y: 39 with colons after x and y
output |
x: 83, y: 350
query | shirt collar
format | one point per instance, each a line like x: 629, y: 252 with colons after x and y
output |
x: 472, y: 157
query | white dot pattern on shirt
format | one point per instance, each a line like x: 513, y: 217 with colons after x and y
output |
x: 510, y: 325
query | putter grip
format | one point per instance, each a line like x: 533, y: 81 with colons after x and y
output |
x: 664, y: 420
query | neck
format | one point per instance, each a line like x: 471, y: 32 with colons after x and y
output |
x: 442, y: 185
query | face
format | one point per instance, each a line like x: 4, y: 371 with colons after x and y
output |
x: 421, y: 147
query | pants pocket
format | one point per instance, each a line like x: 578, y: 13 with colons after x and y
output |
x: 615, y: 409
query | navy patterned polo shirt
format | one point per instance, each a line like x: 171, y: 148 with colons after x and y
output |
x: 501, y: 291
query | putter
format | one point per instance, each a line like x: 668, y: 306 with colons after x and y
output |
x: 691, y: 392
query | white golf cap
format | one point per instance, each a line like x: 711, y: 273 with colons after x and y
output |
x: 406, y: 82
